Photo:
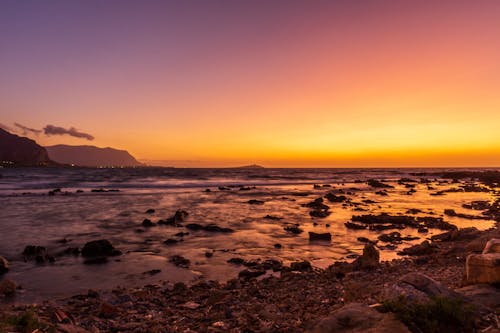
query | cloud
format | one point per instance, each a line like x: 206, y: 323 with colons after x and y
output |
x: 6, y: 128
x: 26, y: 130
x: 55, y: 130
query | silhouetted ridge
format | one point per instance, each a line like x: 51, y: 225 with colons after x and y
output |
x: 21, y: 151
x: 91, y: 156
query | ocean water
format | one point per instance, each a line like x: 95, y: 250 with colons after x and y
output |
x: 29, y: 216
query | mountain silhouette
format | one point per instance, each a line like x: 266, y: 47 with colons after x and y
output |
x: 20, y: 151
x: 91, y: 156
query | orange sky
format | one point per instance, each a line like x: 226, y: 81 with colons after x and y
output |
x: 277, y: 83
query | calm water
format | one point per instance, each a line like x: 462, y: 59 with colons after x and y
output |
x: 28, y: 216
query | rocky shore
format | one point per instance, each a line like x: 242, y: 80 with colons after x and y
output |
x: 448, y: 282
x: 286, y: 299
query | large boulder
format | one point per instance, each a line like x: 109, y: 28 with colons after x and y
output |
x: 485, y: 267
x: 356, y: 318
x: 4, y: 265
x: 99, y: 248
x: 417, y: 288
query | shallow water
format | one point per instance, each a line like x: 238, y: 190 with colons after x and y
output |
x: 28, y: 216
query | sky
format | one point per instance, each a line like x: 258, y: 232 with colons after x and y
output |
x: 278, y: 83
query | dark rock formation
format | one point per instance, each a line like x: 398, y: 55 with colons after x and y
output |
x: 20, y: 151
x: 313, y: 236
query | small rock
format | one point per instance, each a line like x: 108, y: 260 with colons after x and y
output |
x: 99, y: 248
x: 301, y: 266
x: 7, y: 288
x: 4, y: 265
x: 147, y: 223
x: 369, y: 259
x: 313, y: 236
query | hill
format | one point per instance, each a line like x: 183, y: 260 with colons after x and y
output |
x: 91, y: 156
x: 20, y: 151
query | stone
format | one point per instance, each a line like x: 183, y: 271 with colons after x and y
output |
x: 418, y: 250
x: 301, y: 266
x: 493, y: 246
x: 147, y: 223
x: 4, y: 265
x: 7, y: 288
x: 357, y: 318
x: 483, y: 295
x: 314, y: 236
x: 483, y: 268
x: 370, y: 258
x: 99, y: 248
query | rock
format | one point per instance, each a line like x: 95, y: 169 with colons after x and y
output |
x: 420, y: 249
x: 179, y: 217
x: 335, y: 198
x: 251, y: 273
x: 209, y: 227
x: 4, y: 265
x: 293, y: 229
x: 7, y: 288
x: 150, y: 211
x: 272, y: 217
x: 316, y: 204
x: 319, y: 213
x: 355, y: 226
x: 483, y: 268
x: 39, y: 253
x: 180, y: 261
x: 313, y: 236
x: 358, y: 318
x: 378, y: 184
x: 255, y: 202
x: 107, y: 310
x: 278, y: 246
x: 482, y: 295
x: 209, y: 254
x: 99, y: 248
x: 147, y: 223
x: 426, y: 285
x: 369, y: 259
x: 236, y: 261
x: 301, y: 266
x: 171, y: 241
x: 493, y: 246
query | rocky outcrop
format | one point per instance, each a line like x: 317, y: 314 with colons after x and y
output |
x: 20, y: 151
x: 485, y: 267
x: 356, y: 317
x: 91, y: 156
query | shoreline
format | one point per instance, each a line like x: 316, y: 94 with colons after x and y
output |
x: 294, y: 302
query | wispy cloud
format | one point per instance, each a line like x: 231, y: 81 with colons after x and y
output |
x: 27, y: 130
x: 55, y: 130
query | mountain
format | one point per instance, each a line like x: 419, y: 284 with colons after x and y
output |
x: 18, y: 150
x: 253, y: 166
x: 91, y: 156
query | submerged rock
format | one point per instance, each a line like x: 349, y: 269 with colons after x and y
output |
x: 301, y: 266
x: 208, y: 227
x: 100, y: 248
x: 313, y: 236
x: 293, y: 229
x: 255, y: 202
x: 147, y: 223
x: 180, y: 261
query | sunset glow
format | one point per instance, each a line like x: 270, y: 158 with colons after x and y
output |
x: 277, y: 83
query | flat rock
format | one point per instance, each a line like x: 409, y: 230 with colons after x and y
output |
x: 482, y: 295
x: 357, y: 318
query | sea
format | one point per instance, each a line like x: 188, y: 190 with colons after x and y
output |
x: 58, y: 208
